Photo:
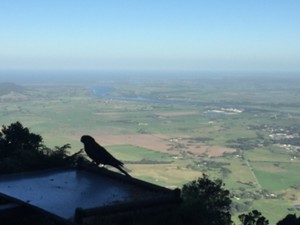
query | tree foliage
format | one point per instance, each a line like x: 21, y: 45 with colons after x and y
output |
x: 21, y: 150
x: 290, y: 219
x: 253, y: 218
x: 206, y: 202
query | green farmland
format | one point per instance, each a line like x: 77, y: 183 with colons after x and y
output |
x: 244, y: 130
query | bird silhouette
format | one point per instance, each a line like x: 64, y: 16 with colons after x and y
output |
x: 99, y: 154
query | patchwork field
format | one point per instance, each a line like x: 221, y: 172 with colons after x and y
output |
x: 170, y: 131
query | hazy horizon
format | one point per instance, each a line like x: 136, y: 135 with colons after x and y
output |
x: 88, y: 76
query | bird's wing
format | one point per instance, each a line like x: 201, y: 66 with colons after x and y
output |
x: 100, y: 155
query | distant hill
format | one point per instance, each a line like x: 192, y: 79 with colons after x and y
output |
x: 9, y: 91
x: 7, y: 88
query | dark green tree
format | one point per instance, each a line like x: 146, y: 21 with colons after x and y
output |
x: 290, y: 219
x: 206, y: 202
x: 253, y: 218
x: 16, y: 137
x: 21, y: 150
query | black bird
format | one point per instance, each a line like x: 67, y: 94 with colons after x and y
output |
x: 99, y: 154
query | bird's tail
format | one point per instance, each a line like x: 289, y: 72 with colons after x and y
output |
x: 123, y: 171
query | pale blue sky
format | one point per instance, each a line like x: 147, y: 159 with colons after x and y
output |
x: 246, y: 35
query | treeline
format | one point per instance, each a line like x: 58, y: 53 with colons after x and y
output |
x: 248, y: 143
x: 21, y: 150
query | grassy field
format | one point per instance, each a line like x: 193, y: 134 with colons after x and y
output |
x: 170, y: 131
